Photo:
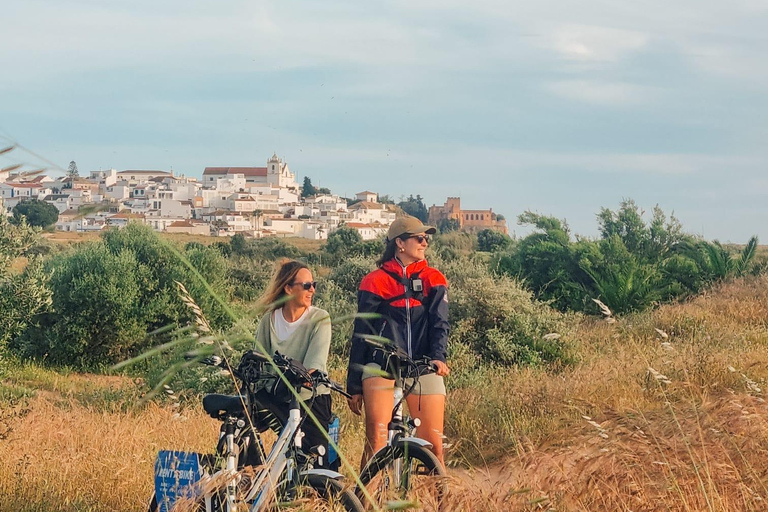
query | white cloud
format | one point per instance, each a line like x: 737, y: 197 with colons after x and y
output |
x: 586, y: 43
x: 613, y: 94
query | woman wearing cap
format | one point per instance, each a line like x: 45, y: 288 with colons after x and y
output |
x: 412, y: 299
x: 299, y: 330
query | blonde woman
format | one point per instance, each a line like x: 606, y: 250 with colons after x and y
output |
x: 299, y: 330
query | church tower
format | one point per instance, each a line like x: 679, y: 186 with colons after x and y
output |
x: 274, y: 171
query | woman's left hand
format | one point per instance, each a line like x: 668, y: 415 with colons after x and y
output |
x: 442, y: 368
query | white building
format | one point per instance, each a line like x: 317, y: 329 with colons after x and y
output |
x: 106, y: 178
x: 285, y: 227
x: 367, y: 195
x: 276, y: 173
x: 141, y: 176
x: 367, y: 231
x: 368, y: 213
x: 62, y: 202
x: 118, y: 191
x: 327, y: 202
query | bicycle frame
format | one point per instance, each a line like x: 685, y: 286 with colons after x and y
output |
x: 279, y: 466
x: 397, y: 429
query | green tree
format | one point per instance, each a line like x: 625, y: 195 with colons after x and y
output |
x: 109, y: 294
x: 415, y: 207
x: 651, y: 242
x: 307, y: 189
x: 621, y: 281
x: 38, y: 213
x: 347, y: 242
x: 72, y: 171
x: 98, y: 314
x: 722, y: 264
x: 342, y: 243
x: 448, y: 225
x: 22, y: 295
x: 549, y: 263
x: 489, y: 240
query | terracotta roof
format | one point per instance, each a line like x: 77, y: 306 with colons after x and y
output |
x: 366, y: 192
x: 69, y: 213
x: 367, y: 204
x: 357, y: 225
x: 181, y: 224
x: 26, y: 185
x: 248, y: 171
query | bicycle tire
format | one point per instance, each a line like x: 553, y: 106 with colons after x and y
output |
x: 422, y: 476
x: 334, y: 492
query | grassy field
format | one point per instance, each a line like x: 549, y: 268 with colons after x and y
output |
x: 68, y: 237
x: 663, y: 411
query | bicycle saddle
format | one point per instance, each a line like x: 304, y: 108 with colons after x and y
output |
x: 219, y: 406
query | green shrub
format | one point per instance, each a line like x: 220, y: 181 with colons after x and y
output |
x: 25, y: 294
x: 500, y: 321
x: 348, y: 274
x: 108, y: 295
x: 249, y: 278
x: 341, y: 305
x: 489, y: 240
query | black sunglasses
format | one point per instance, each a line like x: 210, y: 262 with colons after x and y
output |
x: 419, y: 238
x: 307, y: 286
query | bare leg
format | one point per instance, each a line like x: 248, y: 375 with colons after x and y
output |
x: 378, y: 401
x: 430, y: 409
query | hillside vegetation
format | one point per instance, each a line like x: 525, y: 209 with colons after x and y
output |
x: 647, y: 419
x: 622, y: 373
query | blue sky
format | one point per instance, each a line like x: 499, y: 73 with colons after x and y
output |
x: 554, y: 106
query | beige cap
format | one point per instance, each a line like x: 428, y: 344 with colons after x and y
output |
x: 408, y: 225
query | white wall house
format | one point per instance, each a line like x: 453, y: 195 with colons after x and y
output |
x: 189, y: 227
x: 367, y: 231
x: 24, y: 190
x: 62, y: 202
x: 313, y: 231
x: 117, y: 191
x: 285, y: 226
x: 367, y: 195
x: 328, y: 202
x: 106, y: 178
x: 140, y: 176
x: 367, y: 212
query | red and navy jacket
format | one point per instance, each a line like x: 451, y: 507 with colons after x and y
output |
x: 417, y: 321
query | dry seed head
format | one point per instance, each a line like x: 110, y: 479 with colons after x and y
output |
x: 603, y: 308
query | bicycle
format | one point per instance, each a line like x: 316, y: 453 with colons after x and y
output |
x: 249, y: 478
x: 405, y: 468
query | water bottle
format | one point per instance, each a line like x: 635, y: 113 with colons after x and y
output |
x: 333, y: 433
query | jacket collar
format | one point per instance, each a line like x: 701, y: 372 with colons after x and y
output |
x: 394, y: 265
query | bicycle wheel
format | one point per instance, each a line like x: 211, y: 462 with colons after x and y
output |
x: 331, y: 491
x: 407, y: 472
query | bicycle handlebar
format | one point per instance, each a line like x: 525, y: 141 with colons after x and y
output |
x: 252, y: 365
x: 421, y: 366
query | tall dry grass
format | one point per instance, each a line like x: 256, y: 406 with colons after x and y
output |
x: 664, y: 411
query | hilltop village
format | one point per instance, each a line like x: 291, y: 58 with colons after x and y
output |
x: 253, y: 201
